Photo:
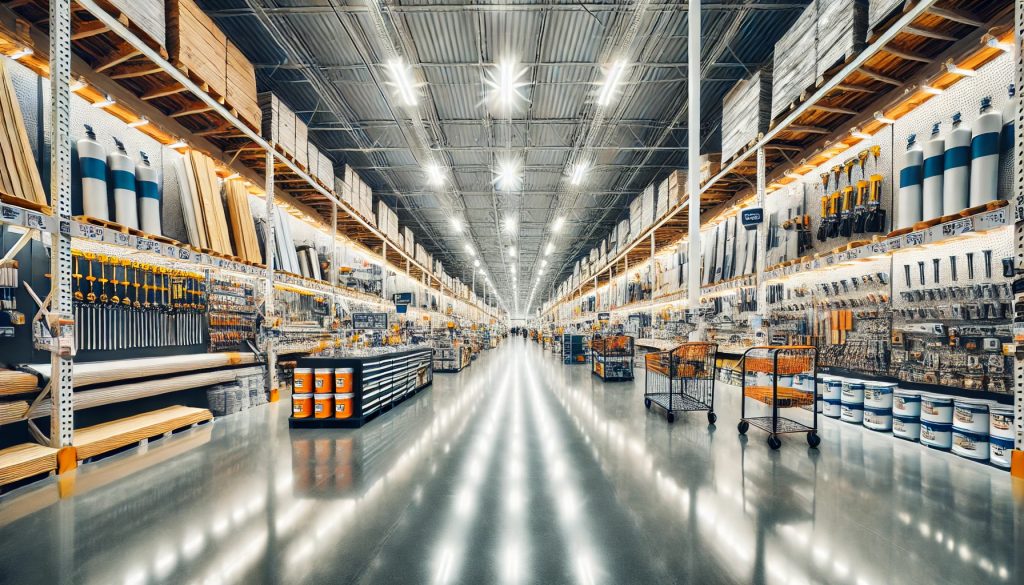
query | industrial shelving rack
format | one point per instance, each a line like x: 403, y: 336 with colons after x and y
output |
x: 574, y: 349
x: 612, y: 357
x: 682, y: 379
x: 837, y: 113
x: 52, y: 56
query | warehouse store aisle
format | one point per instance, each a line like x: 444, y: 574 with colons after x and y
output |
x: 518, y: 470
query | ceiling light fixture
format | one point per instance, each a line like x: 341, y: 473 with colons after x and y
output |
x: 512, y: 269
x: 435, y: 175
x: 401, y: 78
x: 22, y: 53
x: 557, y: 226
x: 543, y: 263
x: 861, y: 135
x: 78, y: 84
x: 476, y: 263
x: 578, y: 172
x: 931, y: 90
x: 457, y: 225
x: 512, y: 251
x: 106, y: 102
x: 508, y: 177
x: 880, y: 117
x: 510, y: 224
x: 549, y: 249
x: 142, y: 121
x: 611, y: 82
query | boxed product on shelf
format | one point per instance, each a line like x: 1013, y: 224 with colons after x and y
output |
x: 746, y: 111
x: 196, y: 43
x: 676, y: 188
x: 410, y: 241
x: 624, y: 227
x: 301, y: 152
x: 649, y: 205
x: 241, y: 87
x: 636, y: 216
x: 794, y: 63
x: 286, y: 128
x: 325, y: 170
x: 343, y: 190
x: 841, y: 30
x: 662, y: 199
x: 710, y: 165
x: 313, y: 156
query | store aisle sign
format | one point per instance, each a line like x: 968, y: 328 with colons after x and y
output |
x: 369, y: 320
x: 604, y: 316
x: 752, y: 217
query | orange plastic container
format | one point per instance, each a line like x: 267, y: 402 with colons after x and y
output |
x: 343, y: 379
x: 343, y: 405
x: 303, y: 382
x: 323, y: 405
x: 302, y: 405
x: 323, y: 381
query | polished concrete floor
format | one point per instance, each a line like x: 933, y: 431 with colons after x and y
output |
x: 518, y: 470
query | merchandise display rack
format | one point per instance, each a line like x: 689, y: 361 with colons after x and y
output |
x: 208, y: 125
x: 910, y: 56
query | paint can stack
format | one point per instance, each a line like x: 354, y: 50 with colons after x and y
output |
x: 1000, y: 429
x: 906, y: 414
x: 937, y: 421
x: 971, y: 428
x: 878, y: 399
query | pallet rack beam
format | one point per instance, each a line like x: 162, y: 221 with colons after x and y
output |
x: 1017, y: 467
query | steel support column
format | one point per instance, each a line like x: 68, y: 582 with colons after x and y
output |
x: 268, y: 295
x: 693, y: 74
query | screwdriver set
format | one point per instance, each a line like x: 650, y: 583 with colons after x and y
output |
x: 120, y: 304
x: 953, y: 307
x: 232, y: 313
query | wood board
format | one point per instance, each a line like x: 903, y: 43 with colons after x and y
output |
x: 14, y: 382
x: 243, y: 228
x: 210, y: 209
x: 26, y: 460
x: 196, y: 45
x: 19, y: 176
x: 106, y: 437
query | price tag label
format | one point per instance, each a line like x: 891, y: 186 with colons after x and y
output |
x: 35, y: 220
x: 184, y: 254
x: 142, y: 245
x: 12, y: 215
x: 990, y: 220
x: 879, y: 248
x: 912, y: 239
x: 957, y: 227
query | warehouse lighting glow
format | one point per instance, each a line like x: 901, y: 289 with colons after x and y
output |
x: 557, y: 226
x: 106, y: 102
x: 507, y: 177
x: 578, y: 172
x: 142, y: 121
x: 860, y: 134
x: 456, y: 225
x: 78, y: 84
x: 401, y: 79
x: 510, y: 224
x: 476, y: 264
x: 880, y: 117
x: 931, y: 90
x: 611, y: 82
x: 543, y: 263
x: 435, y: 175
x: 512, y: 251
x: 512, y: 269
x: 549, y: 249
x: 22, y: 53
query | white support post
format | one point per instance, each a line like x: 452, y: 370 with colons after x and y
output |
x: 335, y: 317
x: 268, y: 256
x: 762, y: 247
x: 1018, y: 191
x: 693, y: 75
x: 62, y: 415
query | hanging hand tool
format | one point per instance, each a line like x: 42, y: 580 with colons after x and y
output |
x: 860, y: 210
x: 988, y: 264
x: 876, y: 215
x: 952, y: 267
x: 833, y: 203
x: 935, y: 270
x: 970, y: 266
x: 823, y: 226
x: 846, y: 212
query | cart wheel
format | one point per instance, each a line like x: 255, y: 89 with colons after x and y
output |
x: 647, y: 403
x: 712, y: 417
x: 774, y: 442
x: 813, y: 439
x: 670, y: 417
x: 743, y: 427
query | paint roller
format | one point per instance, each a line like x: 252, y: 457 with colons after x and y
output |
x: 931, y: 193
x: 122, y: 178
x: 92, y: 159
x: 910, y: 185
x: 147, y: 182
x: 956, y: 180
x: 985, y: 154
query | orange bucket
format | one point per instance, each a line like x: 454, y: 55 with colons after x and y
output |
x: 343, y: 405
x: 303, y: 382
x: 302, y: 405
x: 343, y: 378
x: 323, y: 380
x: 323, y: 405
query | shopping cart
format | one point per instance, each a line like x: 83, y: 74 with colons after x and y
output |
x: 768, y: 374
x: 682, y: 379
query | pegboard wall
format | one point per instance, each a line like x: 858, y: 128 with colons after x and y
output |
x: 784, y: 205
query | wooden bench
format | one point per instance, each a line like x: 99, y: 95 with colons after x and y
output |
x: 109, y: 436
x: 26, y: 460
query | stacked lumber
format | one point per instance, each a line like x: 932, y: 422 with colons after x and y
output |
x: 19, y: 176
x: 13, y: 382
x: 301, y: 152
x: 196, y: 45
x: 106, y: 437
x: 241, y: 88
x: 26, y: 460
x: 841, y: 32
x: 357, y: 193
x: 677, y: 188
x: 387, y: 221
x: 243, y: 228
x: 746, y: 112
x: 319, y: 166
x: 283, y: 129
x: 794, y: 64
x: 203, y: 210
x: 879, y: 10
x: 147, y: 15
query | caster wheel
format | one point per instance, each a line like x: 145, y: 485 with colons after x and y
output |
x: 670, y: 417
x: 743, y: 427
x: 647, y: 403
x: 712, y: 418
x: 774, y: 442
x: 813, y: 439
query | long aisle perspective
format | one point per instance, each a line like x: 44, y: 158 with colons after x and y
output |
x: 517, y: 470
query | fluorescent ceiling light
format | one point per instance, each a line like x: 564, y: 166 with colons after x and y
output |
x: 578, y: 172
x: 557, y: 226
x: 508, y: 177
x: 543, y: 263
x: 435, y: 175
x: 861, y: 135
x: 142, y: 121
x: 512, y: 269
x: 106, y: 102
x: 482, y: 271
x: 21, y: 53
x: 931, y: 90
x: 549, y: 249
x: 879, y: 116
x: 401, y: 78
x: 510, y: 224
x: 178, y: 144
x: 78, y: 84
x: 456, y: 225
x: 476, y: 263
x: 512, y: 251
x: 611, y: 82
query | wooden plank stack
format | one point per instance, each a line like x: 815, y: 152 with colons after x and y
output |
x: 26, y: 460
x: 794, y: 64
x: 241, y: 87
x: 841, y: 31
x: 201, y: 199
x: 196, y: 45
x: 106, y: 437
x: 358, y: 194
x: 19, y: 176
x: 879, y: 10
x: 148, y: 15
x: 243, y: 228
x: 14, y: 382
